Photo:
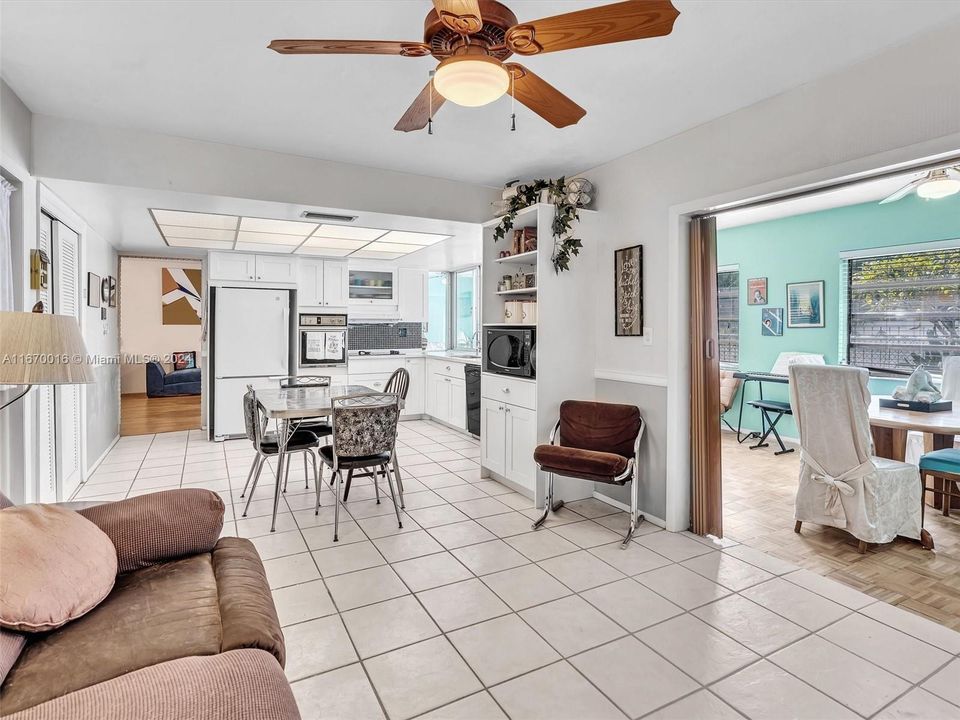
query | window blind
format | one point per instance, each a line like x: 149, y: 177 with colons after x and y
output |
x: 901, y: 310
x: 728, y: 315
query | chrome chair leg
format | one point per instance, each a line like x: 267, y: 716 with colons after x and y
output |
x: 548, y: 504
x: 393, y: 497
x: 256, y: 461
x: 376, y: 484
x: 336, y: 509
x: 396, y: 474
x: 635, y: 517
x: 306, y: 478
x: 256, y: 477
x: 286, y: 472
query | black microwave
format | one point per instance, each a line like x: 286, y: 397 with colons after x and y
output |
x: 510, y: 351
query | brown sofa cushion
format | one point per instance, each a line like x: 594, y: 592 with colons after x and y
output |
x: 237, y: 685
x: 57, y: 566
x: 173, y: 610
x: 604, y: 427
x: 11, y: 645
x: 574, y: 462
x: 160, y: 526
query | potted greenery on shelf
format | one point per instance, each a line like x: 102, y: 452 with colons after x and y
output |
x: 564, y: 245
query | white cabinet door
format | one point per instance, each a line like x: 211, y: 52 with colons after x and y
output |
x: 310, y: 286
x: 413, y: 295
x: 493, y: 436
x: 233, y: 266
x: 458, y: 402
x: 276, y: 268
x: 440, y: 397
x: 521, y: 436
x: 335, y: 283
x: 417, y: 393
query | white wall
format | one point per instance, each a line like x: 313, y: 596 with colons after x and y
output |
x: 895, y: 107
x: 142, y: 331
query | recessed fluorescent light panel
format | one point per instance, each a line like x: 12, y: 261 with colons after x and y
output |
x: 183, y: 229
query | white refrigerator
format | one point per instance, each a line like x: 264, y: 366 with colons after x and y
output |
x: 251, y: 344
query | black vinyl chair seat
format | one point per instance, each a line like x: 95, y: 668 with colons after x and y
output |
x: 300, y: 440
x: 320, y: 428
x: 347, y: 463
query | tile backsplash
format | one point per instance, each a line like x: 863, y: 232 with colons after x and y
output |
x: 386, y: 336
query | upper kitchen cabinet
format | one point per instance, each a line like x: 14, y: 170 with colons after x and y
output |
x: 413, y: 295
x: 322, y: 283
x: 247, y: 267
x: 373, y: 288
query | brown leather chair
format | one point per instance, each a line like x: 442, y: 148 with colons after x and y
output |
x: 597, y: 442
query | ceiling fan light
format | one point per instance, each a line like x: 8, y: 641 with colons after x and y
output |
x: 938, y: 186
x: 472, y: 80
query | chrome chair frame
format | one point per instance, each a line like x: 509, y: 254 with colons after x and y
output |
x: 630, y: 474
x: 338, y: 472
x: 301, y: 381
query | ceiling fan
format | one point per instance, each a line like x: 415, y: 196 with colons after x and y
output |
x: 932, y: 185
x: 473, y: 38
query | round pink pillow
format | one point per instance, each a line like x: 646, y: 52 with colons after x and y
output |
x: 55, y: 566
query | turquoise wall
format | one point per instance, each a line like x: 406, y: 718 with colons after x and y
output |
x: 807, y: 247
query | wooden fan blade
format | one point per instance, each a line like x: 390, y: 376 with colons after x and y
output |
x: 461, y: 16
x: 417, y: 115
x: 631, y: 20
x: 349, y: 47
x: 542, y: 97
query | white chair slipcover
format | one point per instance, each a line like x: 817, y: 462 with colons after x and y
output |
x: 950, y: 389
x: 841, y: 483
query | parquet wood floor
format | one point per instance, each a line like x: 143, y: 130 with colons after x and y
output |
x: 140, y: 415
x: 758, y: 496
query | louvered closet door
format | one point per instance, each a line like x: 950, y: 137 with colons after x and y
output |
x: 46, y: 414
x: 67, y: 301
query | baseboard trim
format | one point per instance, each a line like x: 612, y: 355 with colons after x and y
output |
x: 787, y: 440
x: 653, y: 519
x: 103, y: 456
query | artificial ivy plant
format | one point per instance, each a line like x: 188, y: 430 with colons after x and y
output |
x: 564, y: 246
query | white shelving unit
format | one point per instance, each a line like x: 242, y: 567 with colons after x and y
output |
x: 518, y: 414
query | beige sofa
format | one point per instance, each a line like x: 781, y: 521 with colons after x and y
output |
x: 189, y: 631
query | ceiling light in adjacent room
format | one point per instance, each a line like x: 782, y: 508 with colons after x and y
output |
x: 471, y: 80
x: 938, y: 185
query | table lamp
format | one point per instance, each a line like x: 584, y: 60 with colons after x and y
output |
x: 38, y: 348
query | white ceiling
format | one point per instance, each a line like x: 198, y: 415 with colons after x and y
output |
x: 201, y: 70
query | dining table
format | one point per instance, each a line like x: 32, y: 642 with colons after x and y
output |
x: 288, y: 406
x: 890, y: 425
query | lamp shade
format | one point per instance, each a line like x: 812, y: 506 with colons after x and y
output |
x: 471, y: 80
x: 42, y: 349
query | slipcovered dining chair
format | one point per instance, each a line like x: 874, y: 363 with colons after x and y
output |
x: 841, y: 484
x: 398, y: 384
x: 364, y: 437
x: 266, y: 445
x: 596, y: 442
x: 950, y: 389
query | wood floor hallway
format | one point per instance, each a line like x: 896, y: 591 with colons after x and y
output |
x: 140, y: 415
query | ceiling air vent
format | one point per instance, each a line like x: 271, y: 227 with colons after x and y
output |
x: 310, y: 215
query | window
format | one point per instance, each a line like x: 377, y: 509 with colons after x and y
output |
x: 903, y: 310
x: 454, y: 315
x: 728, y: 315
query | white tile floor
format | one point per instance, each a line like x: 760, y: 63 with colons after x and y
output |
x: 466, y: 613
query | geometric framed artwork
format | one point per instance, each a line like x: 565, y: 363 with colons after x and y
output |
x: 805, y: 304
x: 757, y: 291
x: 93, y: 290
x: 180, y: 296
x: 628, y: 291
x: 771, y: 322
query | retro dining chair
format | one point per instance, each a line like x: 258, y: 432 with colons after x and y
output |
x: 597, y: 442
x: 364, y: 438
x: 319, y: 426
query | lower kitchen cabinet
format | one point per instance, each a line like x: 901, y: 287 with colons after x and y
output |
x: 416, y: 395
x: 447, y: 399
x: 508, y: 437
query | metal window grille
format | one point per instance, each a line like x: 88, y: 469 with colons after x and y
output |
x: 728, y: 315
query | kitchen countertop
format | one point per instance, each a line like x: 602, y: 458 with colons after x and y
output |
x: 452, y: 356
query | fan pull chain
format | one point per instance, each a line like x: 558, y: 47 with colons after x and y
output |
x: 513, y: 102
x: 430, y: 112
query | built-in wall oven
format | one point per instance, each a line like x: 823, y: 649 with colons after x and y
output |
x: 323, y: 340
x: 510, y: 351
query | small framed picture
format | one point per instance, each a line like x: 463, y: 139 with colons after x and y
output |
x: 771, y: 322
x: 93, y: 290
x: 805, y: 304
x: 757, y: 291
x: 628, y: 291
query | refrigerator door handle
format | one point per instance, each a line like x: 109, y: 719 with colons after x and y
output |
x: 286, y: 350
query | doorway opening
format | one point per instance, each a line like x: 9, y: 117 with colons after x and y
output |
x: 161, y: 315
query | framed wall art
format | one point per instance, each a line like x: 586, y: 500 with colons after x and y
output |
x: 805, y: 304
x: 757, y: 291
x: 628, y: 291
x: 93, y: 290
x: 771, y: 322
x: 180, y: 296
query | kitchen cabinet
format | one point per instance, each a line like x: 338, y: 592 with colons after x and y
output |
x: 276, y: 268
x: 374, y: 372
x: 232, y: 266
x: 416, y: 394
x: 322, y: 283
x: 447, y: 392
x: 508, y: 437
x: 413, y: 295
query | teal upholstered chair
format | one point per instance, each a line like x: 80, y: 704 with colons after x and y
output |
x: 944, y: 467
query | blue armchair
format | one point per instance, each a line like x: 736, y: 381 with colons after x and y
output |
x: 165, y: 384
